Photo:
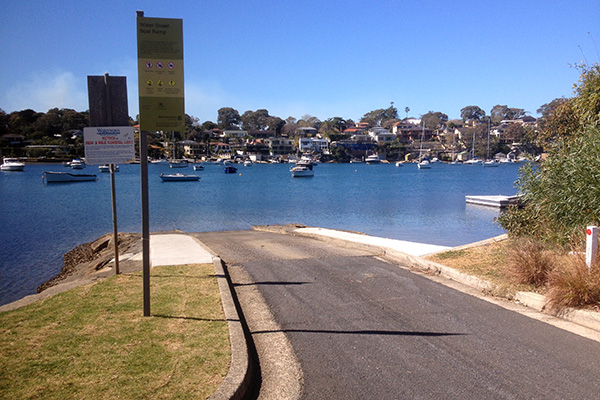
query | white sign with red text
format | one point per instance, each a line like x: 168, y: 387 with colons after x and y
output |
x: 109, y: 144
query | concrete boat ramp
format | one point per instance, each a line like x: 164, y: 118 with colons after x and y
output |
x: 498, y: 201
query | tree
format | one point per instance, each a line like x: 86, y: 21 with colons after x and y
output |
x: 229, y: 118
x: 503, y: 112
x: 275, y: 124
x: 379, y: 116
x: 471, y: 113
x: 255, y: 120
x: 561, y: 194
x: 433, y: 120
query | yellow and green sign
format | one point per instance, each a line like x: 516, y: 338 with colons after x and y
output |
x: 160, y: 74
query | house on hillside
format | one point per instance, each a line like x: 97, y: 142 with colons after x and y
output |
x: 381, y: 135
x: 313, y: 145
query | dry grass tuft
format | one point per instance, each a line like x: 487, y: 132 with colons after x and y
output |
x: 573, y: 284
x: 529, y: 262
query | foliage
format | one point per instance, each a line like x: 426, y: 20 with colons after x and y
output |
x: 434, y: 120
x: 379, y: 116
x: 229, y: 118
x: 503, y: 112
x: 529, y: 262
x: 572, y: 284
x: 561, y: 194
x: 471, y: 113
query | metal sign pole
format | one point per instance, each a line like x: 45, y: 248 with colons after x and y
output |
x: 145, y: 222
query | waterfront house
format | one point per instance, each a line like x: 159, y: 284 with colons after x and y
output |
x: 310, y: 145
x: 381, y: 135
x: 280, y: 146
x: 306, y: 131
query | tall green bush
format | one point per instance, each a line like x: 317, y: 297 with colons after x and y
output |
x: 562, y: 193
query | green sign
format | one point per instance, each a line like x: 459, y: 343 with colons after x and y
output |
x: 160, y: 74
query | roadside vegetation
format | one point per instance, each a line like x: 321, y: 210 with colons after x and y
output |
x: 545, y: 251
x: 93, y: 342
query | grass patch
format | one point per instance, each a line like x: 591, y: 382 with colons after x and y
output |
x: 488, y: 262
x: 93, y: 342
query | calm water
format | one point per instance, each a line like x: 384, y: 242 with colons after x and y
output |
x: 38, y: 223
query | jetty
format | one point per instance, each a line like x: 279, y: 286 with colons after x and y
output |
x: 498, y: 201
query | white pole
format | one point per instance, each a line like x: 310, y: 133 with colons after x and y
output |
x: 591, y: 245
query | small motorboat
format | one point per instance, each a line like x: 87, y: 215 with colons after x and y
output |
x: 12, y: 164
x: 106, y: 168
x: 230, y: 169
x: 302, y: 169
x: 178, y: 177
x: 77, y: 163
x: 424, y: 164
x: 63, y: 177
x: 178, y: 163
x: 198, y: 167
x: 247, y: 163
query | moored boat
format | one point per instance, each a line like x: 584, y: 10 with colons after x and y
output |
x: 77, y: 163
x: 106, y: 168
x: 198, y: 167
x: 61, y: 177
x: 178, y: 177
x: 12, y: 164
x: 230, y: 169
x: 302, y: 169
x: 373, y: 159
x: 178, y: 163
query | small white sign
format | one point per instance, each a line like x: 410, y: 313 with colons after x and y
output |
x: 108, y: 144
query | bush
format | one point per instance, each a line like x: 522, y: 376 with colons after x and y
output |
x: 529, y: 262
x: 572, y: 284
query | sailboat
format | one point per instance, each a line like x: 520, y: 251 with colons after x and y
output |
x: 175, y: 163
x: 489, y: 162
x: 423, y: 164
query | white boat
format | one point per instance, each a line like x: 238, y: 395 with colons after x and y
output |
x: 247, y: 163
x: 399, y: 163
x: 106, y: 168
x: 302, y: 170
x: 178, y: 177
x: 12, y: 164
x: 198, y: 167
x: 178, y: 163
x: 77, y: 163
x: 423, y: 163
x: 373, y: 159
x: 473, y: 161
x: 60, y: 177
x: 489, y: 162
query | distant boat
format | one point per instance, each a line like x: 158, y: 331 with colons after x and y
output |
x: 247, y: 163
x: 77, y: 163
x: 399, y: 163
x: 373, y: 159
x: 198, y: 167
x: 423, y: 163
x: 63, y: 177
x: 230, y: 169
x: 178, y: 177
x: 178, y: 163
x: 302, y: 169
x: 12, y: 164
x: 106, y: 168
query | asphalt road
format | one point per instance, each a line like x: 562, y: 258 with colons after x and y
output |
x: 362, y: 328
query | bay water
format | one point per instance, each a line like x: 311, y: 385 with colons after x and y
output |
x: 40, y: 222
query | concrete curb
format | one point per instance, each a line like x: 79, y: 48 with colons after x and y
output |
x: 237, y: 383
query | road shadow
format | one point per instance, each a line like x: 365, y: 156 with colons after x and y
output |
x: 363, y: 332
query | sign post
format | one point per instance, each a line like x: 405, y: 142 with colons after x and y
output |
x: 161, y: 99
x: 591, y: 248
x: 109, y: 144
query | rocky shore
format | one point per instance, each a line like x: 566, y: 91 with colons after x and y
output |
x: 91, y: 258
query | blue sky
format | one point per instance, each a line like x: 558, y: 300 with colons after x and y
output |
x: 316, y: 57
